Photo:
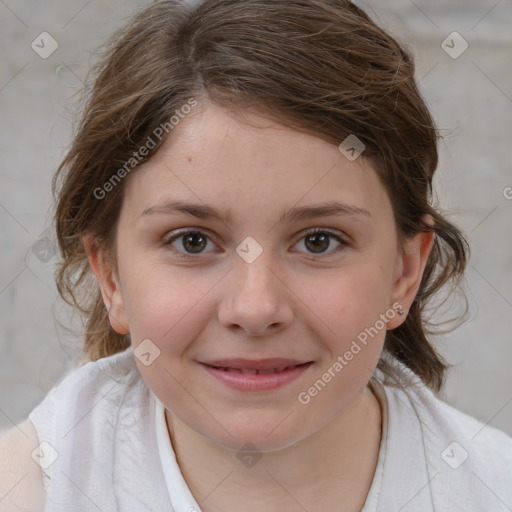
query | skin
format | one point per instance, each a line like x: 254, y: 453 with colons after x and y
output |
x: 290, y: 302
x: 21, y: 479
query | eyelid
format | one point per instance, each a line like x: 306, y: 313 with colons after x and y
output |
x: 329, y: 231
x: 176, y: 234
x: 341, y: 238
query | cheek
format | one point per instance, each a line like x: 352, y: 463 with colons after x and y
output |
x: 354, y: 308
x: 351, y: 306
x: 359, y: 294
x: 166, y: 305
x: 173, y: 323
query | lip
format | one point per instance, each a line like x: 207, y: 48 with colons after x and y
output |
x: 229, y: 372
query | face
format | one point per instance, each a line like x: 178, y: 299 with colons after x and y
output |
x: 273, y: 274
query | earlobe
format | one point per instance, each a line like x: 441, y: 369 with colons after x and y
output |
x: 410, y: 268
x: 109, y: 286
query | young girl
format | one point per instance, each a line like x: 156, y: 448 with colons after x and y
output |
x: 246, y: 223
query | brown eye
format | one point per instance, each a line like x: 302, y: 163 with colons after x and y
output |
x: 319, y: 242
x: 188, y: 243
x: 194, y: 242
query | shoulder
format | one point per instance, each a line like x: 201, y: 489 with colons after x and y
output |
x: 81, y: 414
x: 103, y: 415
x: 112, y: 374
x: 468, y: 453
x: 492, y: 446
x: 21, y: 482
x: 481, y: 436
x: 79, y: 391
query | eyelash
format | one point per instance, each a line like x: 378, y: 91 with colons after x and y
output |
x: 314, y: 231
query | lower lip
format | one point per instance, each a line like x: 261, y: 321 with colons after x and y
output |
x: 257, y: 382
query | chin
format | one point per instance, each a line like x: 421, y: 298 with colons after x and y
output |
x: 258, y: 435
x: 256, y: 443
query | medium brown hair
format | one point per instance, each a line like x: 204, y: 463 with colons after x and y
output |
x: 322, y: 67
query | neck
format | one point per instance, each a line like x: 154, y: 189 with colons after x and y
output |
x: 330, y: 470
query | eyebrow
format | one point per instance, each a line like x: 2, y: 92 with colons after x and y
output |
x: 295, y: 214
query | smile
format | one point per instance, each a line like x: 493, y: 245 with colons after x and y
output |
x: 256, y: 379
x: 255, y: 372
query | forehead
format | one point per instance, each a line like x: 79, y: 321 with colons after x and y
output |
x: 214, y: 158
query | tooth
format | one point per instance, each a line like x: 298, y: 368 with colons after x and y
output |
x: 254, y: 372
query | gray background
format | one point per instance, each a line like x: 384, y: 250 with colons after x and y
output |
x: 470, y: 96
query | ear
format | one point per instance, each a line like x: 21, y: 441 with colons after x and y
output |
x: 109, y: 285
x: 409, y: 271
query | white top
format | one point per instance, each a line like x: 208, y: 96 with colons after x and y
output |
x: 105, y: 446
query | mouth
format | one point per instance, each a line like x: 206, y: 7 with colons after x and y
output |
x: 256, y: 375
x: 252, y: 371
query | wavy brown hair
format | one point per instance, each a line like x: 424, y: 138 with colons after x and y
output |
x: 322, y: 67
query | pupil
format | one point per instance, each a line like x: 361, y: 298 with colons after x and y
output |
x: 319, y: 241
x: 191, y: 239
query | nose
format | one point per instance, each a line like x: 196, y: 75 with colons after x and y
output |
x: 256, y: 299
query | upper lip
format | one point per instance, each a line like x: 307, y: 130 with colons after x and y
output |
x: 255, y: 364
